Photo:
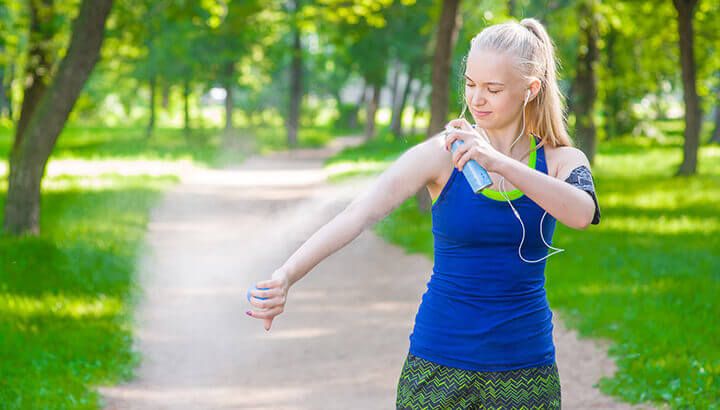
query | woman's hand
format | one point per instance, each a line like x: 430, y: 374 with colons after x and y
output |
x: 475, y: 146
x: 276, y: 297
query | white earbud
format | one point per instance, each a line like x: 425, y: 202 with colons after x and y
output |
x: 527, y: 96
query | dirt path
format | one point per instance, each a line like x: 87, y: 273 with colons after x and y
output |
x: 343, y: 338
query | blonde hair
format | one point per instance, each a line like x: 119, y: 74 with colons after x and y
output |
x: 534, y: 54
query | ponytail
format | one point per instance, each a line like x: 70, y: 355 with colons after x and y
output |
x: 530, y: 44
x: 546, y: 114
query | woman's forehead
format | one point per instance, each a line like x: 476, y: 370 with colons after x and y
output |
x: 484, y: 66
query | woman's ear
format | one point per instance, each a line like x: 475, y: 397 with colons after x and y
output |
x: 534, y: 88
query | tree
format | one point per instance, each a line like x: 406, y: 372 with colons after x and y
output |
x: 296, y: 76
x: 410, y: 28
x: 446, y: 37
x: 32, y: 147
x: 585, y: 86
x: 445, y: 40
x: 686, y: 10
x: 715, y: 138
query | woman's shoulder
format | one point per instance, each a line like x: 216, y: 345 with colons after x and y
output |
x: 436, y: 157
x: 427, y: 159
x: 562, y: 159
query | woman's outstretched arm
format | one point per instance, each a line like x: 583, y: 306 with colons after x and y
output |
x: 414, y: 169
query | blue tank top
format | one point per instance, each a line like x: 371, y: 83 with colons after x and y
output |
x: 484, y: 308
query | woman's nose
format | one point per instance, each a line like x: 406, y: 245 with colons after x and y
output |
x: 477, y: 99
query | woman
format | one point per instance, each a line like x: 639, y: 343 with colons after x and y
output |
x: 483, y: 332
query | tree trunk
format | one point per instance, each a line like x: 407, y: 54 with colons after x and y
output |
x: 353, y: 121
x: 229, y: 103
x: 686, y: 10
x: 512, y: 8
x: 342, y: 120
x: 416, y: 108
x: 34, y: 145
x: 716, y: 133
x: 586, y: 80
x: 612, y: 96
x: 40, y: 61
x: 186, y: 106
x: 372, y: 108
x: 448, y: 28
x: 3, y: 92
x: 296, y: 85
x: 153, y: 91
x: 394, y: 101
x: 403, y: 102
x: 715, y: 138
x: 165, y: 102
x: 7, y: 93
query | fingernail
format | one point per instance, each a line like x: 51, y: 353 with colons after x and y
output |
x: 249, y: 313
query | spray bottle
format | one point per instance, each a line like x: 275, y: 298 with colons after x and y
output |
x: 476, y: 175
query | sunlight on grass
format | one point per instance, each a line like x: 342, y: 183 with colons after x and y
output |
x: 655, y: 287
x: 663, y: 224
x: 339, y: 170
x: 60, y: 305
x: 126, y: 167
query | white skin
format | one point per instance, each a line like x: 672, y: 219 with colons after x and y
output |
x: 494, y: 86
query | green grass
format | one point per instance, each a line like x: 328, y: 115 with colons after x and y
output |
x: 172, y: 144
x: 647, y: 277
x: 67, y: 295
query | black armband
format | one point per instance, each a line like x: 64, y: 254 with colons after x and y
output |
x: 582, y: 178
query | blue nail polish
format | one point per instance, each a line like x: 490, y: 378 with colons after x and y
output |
x: 256, y: 297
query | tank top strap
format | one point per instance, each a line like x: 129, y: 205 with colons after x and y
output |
x: 540, y: 162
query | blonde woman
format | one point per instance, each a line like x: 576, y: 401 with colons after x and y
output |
x: 483, y: 333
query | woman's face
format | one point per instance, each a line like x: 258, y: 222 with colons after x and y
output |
x: 494, y: 91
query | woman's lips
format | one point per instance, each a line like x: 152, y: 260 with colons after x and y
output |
x: 480, y: 113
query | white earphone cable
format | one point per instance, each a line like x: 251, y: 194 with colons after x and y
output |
x: 517, y: 214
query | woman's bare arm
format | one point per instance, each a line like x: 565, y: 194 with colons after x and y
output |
x: 414, y: 169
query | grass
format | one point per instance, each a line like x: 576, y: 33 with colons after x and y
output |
x: 647, y: 277
x: 171, y: 144
x: 67, y: 295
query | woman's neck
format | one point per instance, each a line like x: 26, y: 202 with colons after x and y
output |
x: 503, y: 138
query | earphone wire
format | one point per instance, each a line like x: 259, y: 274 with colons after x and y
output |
x: 517, y: 214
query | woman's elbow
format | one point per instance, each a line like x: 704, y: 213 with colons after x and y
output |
x: 582, y: 222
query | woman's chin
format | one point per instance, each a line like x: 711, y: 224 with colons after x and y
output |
x: 483, y: 122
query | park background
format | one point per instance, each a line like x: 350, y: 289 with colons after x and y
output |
x: 104, y: 104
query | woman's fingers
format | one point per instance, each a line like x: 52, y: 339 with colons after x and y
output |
x: 461, y: 123
x: 268, y: 314
x: 271, y: 283
x: 451, y: 136
x: 264, y: 293
x: 467, y: 156
x: 269, y: 303
x: 269, y: 296
x: 459, y: 152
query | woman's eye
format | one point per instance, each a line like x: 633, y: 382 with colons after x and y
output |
x: 494, y: 91
x: 469, y: 85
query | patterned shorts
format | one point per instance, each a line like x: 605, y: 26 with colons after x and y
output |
x: 427, y: 385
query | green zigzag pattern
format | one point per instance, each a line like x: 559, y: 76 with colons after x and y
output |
x: 427, y: 385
